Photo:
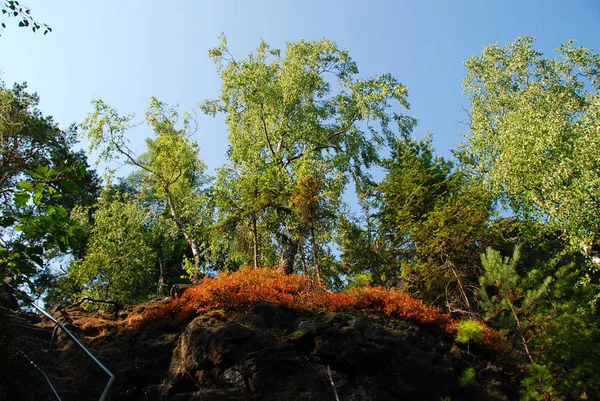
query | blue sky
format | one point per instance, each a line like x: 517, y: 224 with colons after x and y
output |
x: 127, y: 51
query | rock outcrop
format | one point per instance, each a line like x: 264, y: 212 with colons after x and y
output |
x: 274, y: 353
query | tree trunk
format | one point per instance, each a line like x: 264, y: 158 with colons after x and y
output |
x: 462, y: 289
x: 303, y: 259
x: 315, y: 252
x: 290, y: 249
x: 162, y: 275
x: 255, y: 241
x: 521, y: 333
x: 191, y: 241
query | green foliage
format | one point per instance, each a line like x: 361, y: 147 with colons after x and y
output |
x: 249, y: 200
x: 501, y: 273
x: 560, y: 327
x: 297, y: 137
x: 119, y: 263
x: 537, y: 386
x: 549, y: 313
x: 533, y: 142
x: 434, y: 221
x: 469, y: 330
x: 172, y: 159
x: 358, y: 280
x: 303, y: 128
x: 41, y: 179
x: 514, y: 301
x: 171, y: 169
x: 364, y: 250
x: 468, y: 377
x: 416, y: 179
x: 534, y: 132
x: 295, y: 335
x: 188, y: 268
x: 567, y: 332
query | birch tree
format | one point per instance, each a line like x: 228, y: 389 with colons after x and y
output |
x: 171, y: 167
x: 535, y: 135
x: 308, y: 104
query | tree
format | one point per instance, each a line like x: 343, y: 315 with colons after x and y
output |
x: 365, y: 253
x: 534, y: 137
x: 119, y: 262
x: 247, y: 198
x: 169, y: 247
x: 536, y: 297
x: 171, y: 168
x: 415, y: 181
x: 305, y: 107
x: 41, y: 179
x: 511, y: 298
x: 13, y: 9
x: 434, y: 222
x: 316, y: 202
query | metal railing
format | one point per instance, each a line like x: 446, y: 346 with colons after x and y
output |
x: 107, y: 390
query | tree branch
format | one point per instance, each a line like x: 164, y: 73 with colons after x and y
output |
x: 264, y: 123
x: 136, y: 163
x: 118, y: 305
x: 319, y: 148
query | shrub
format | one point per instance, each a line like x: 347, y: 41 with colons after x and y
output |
x: 468, y: 377
x: 241, y: 289
x: 469, y: 330
x: 537, y: 386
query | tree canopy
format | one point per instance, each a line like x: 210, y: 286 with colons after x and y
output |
x: 171, y: 168
x: 304, y: 109
x: 41, y: 179
x: 534, y: 136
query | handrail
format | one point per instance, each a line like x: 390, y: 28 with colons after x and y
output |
x: 106, y: 393
x: 43, y: 373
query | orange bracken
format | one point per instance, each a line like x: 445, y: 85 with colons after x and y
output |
x: 242, y: 289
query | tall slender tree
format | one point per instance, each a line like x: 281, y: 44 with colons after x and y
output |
x: 171, y: 167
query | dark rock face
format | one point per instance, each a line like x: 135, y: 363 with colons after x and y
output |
x: 276, y: 353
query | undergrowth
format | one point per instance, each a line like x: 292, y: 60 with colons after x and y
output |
x: 242, y: 289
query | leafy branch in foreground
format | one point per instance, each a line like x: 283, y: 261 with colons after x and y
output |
x: 13, y: 9
x: 41, y: 179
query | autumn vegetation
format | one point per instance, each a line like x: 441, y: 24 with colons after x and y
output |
x: 238, y: 291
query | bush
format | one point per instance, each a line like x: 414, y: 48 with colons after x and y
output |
x: 468, y: 378
x: 242, y: 289
x: 469, y: 330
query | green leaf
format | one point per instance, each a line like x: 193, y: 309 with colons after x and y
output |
x: 534, y: 137
x: 37, y: 259
x: 25, y: 185
x: 7, y: 221
x: 21, y: 198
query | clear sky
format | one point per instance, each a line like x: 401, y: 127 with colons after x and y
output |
x: 126, y: 51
